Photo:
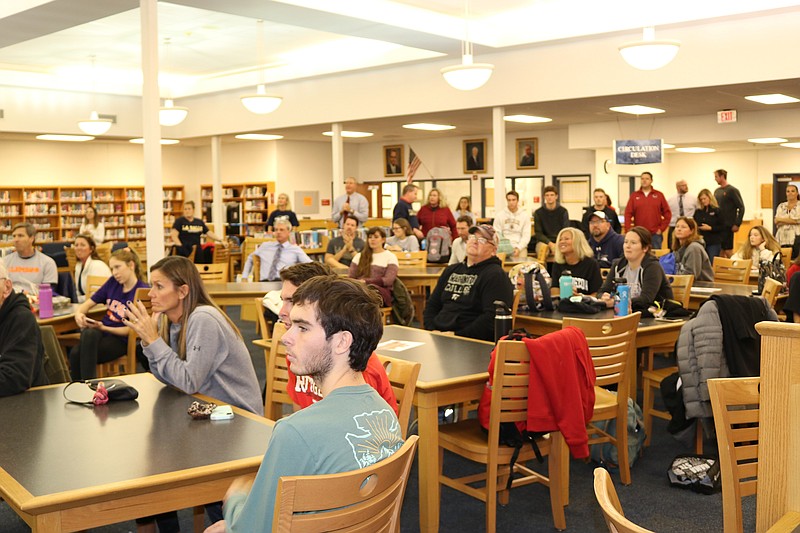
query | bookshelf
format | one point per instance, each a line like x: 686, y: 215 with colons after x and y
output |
x: 253, y: 200
x: 57, y: 212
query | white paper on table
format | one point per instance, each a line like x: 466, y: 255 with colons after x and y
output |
x: 705, y: 290
x: 399, y: 346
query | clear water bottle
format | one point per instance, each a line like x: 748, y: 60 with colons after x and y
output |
x: 423, y: 244
x: 622, y: 299
x: 565, y: 285
x: 45, y: 301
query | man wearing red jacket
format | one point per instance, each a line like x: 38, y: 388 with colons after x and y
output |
x: 648, y: 208
x: 302, y: 390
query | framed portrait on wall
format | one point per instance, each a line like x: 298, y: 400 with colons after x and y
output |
x: 475, y: 156
x: 393, y: 160
x: 527, y: 153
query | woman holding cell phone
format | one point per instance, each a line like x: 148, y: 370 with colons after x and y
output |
x: 107, y: 339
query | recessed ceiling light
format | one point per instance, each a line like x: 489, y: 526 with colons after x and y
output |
x: 767, y: 140
x: 351, y: 134
x: 428, y: 127
x: 163, y: 141
x: 791, y: 145
x: 67, y: 138
x: 259, y: 137
x: 527, y: 119
x: 667, y: 145
x: 772, y: 99
x: 636, y: 109
x: 695, y: 150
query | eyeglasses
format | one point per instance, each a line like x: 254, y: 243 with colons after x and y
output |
x: 481, y: 240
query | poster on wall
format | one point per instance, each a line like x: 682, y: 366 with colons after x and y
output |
x: 638, y: 151
x: 306, y: 202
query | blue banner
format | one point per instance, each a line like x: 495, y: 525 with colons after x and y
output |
x: 637, y: 152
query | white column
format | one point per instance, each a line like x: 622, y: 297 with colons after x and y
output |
x: 337, y: 148
x: 499, y: 157
x: 153, y: 192
x: 217, y: 215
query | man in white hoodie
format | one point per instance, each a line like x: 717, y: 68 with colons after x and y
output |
x: 514, y: 224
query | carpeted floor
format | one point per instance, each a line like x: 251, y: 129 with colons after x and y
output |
x: 649, y: 501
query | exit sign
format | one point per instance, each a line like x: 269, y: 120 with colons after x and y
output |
x: 726, y: 116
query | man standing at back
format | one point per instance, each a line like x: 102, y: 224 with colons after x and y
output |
x: 463, y: 300
x: 336, y: 325
x: 648, y: 208
x: 350, y: 205
x: 682, y: 204
x: 28, y: 267
x: 548, y: 220
x: 731, y: 208
x: 514, y: 223
x: 404, y: 209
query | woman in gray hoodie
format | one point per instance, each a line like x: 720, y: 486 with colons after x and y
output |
x: 690, y: 251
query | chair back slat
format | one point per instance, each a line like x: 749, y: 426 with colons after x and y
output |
x: 681, y: 287
x: 412, y: 259
x: 732, y: 270
x: 736, y: 404
x: 277, y: 376
x: 366, y: 500
x: 403, y: 378
x: 213, y: 273
x: 771, y: 290
x: 607, y: 497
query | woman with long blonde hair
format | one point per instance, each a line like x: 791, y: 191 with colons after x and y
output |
x: 436, y: 214
x: 759, y: 246
x: 574, y: 254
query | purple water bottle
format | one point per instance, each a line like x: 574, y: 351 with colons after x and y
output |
x: 45, y: 301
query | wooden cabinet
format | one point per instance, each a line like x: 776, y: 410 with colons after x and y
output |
x: 250, y: 205
x: 57, y: 212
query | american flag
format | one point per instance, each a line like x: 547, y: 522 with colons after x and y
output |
x: 413, y: 164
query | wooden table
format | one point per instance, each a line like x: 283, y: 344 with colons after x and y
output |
x: 63, y: 320
x: 453, y: 371
x: 232, y: 293
x: 698, y: 297
x: 70, y: 468
x: 651, y: 332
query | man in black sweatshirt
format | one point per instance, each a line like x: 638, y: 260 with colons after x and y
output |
x: 21, y: 349
x: 463, y: 300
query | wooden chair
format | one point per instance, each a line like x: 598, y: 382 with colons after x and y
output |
x: 501, y: 256
x: 104, y: 251
x: 386, y: 315
x: 277, y: 376
x: 612, y: 344
x: 127, y: 363
x: 732, y: 270
x: 140, y: 247
x: 250, y: 245
x: 56, y: 365
x: 681, y: 287
x: 369, y: 499
x: 262, y: 326
x: 222, y: 256
x: 771, y: 290
x: 509, y: 404
x: 403, y: 378
x: 213, y: 273
x: 71, y: 259
x: 606, y: 496
x: 735, y: 403
x: 412, y: 259
x: 174, y: 251
x: 786, y: 255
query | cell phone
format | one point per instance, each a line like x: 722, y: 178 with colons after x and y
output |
x: 90, y: 320
x: 222, y: 412
x: 665, y: 319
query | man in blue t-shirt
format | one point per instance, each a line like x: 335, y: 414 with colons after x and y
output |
x: 336, y: 324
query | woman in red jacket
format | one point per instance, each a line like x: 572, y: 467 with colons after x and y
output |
x: 436, y: 213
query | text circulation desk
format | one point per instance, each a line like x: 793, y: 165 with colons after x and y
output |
x: 66, y: 467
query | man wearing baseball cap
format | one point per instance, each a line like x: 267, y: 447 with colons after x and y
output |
x: 604, y: 241
x: 463, y: 300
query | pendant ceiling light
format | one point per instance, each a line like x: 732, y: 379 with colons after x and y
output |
x: 649, y: 53
x: 170, y: 114
x: 94, y: 125
x: 468, y: 75
x: 261, y: 103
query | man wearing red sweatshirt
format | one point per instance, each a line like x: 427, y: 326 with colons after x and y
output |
x: 648, y: 208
